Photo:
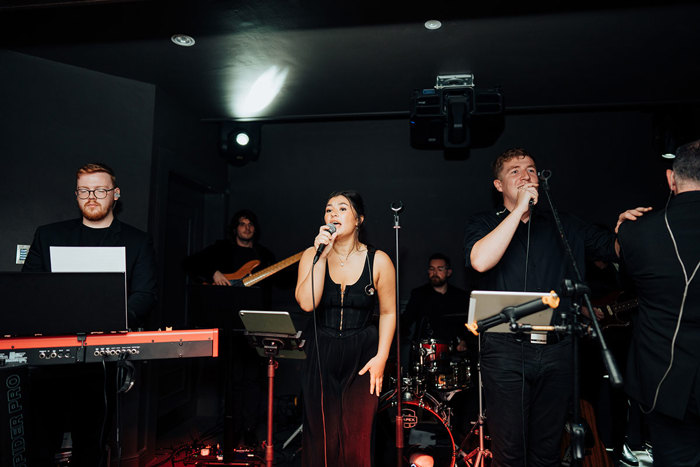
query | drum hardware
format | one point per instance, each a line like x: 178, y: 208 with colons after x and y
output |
x: 481, y: 453
x: 453, y: 376
x: 435, y: 362
x: 436, y: 374
x: 429, y: 353
x: 425, y: 430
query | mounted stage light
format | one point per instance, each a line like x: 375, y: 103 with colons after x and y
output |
x: 242, y: 138
x: 240, y: 142
x: 454, y: 114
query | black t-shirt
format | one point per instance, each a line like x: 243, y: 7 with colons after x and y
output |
x: 544, y: 265
x: 93, y: 237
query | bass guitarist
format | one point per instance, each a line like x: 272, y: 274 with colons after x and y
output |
x: 231, y: 254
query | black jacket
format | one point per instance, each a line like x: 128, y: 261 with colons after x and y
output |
x: 650, y: 258
x: 140, y: 260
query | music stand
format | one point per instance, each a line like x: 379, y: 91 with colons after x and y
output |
x: 273, y: 334
x: 484, y: 304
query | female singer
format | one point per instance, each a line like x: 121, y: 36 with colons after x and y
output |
x: 346, y: 353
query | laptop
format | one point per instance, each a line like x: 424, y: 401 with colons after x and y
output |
x: 53, y: 304
x: 486, y: 303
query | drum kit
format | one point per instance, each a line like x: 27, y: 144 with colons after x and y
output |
x: 436, y: 374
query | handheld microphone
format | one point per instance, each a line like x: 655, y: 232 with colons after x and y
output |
x: 319, y: 250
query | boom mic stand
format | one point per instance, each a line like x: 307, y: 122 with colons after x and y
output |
x: 397, y: 208
x: 574, y: 290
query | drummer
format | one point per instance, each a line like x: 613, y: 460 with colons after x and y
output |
x: 437, y: 310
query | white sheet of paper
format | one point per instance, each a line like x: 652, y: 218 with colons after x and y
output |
x: 88, y: 258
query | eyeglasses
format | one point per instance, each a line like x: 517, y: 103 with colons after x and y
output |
x: 100, y: 193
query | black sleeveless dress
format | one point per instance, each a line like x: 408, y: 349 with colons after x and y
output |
x: 346, y: 341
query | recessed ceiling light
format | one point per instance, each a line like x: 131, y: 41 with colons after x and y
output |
x: 182, y: 40
x: 433, y: 24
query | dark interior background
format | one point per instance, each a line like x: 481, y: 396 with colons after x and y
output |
x: 596, y: 91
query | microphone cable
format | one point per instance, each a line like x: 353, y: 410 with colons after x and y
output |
x: 318, y: 361
x: 527, y: 249
x: 680, y: 312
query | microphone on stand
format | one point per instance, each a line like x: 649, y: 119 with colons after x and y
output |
x: 514, y: 313
x: 319, y: 250
x: 544, y: 174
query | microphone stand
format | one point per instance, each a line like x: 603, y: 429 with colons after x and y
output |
x: 397, y: 208
x: 574, y: 290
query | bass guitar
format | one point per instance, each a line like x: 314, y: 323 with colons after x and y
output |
x: 243, y: 277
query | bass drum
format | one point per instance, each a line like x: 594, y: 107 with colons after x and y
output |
x: 424, y: 431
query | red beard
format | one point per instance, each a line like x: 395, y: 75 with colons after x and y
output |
x: 95, y: 212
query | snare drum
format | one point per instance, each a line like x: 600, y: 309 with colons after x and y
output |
x: 451, y: 376
x: 424, y: 430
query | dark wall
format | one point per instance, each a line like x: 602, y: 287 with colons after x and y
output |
x: 603, y: 163
x: 185, y: 146
x: 188, y: 209
x: 55, y: 118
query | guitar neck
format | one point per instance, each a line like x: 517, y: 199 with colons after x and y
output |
x: 623, y: 306
x: 268, y: 271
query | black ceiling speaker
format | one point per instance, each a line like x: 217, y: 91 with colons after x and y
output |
x: 455, y: 115
x: 240, y: 142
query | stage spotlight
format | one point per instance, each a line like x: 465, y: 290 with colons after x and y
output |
x: 240, y: 142
x: 242, y: 138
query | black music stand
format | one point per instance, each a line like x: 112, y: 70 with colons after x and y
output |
x: 482, y: 308
x: 273, y: 334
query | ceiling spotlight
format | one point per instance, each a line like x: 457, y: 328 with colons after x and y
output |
x: 433, y: 24
x: 182, y: 40
x: 242, y: 139
x: 240, y: 142
x: 668, y: 156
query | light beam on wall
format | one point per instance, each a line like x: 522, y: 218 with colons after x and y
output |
x: 262, y: 92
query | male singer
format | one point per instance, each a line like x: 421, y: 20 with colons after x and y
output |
x: 516, y: 247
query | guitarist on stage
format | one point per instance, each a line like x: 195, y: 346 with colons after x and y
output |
x: 229, y: 255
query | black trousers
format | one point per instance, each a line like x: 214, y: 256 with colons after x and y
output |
x: 675, y: 443
x: 70, y: 398
x: 527, y: 391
